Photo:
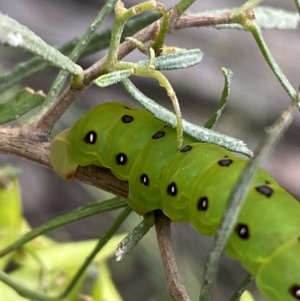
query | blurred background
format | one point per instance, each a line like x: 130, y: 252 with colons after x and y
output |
x: 255, y: 101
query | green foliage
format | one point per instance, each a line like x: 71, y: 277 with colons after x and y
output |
x: 44, y: 264
x: 24, y: 101
x: 50, y: 270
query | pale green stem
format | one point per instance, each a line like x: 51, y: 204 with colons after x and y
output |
x: 134, y: 236
x: 297, y: 2
x: 122, y: 15
x: 148, y: 71
x: 256, y: 32
x: 225, y: 94
x: 160, y: 39
x: 183, y: 5
x: 21, y: 290
x: 163, y: 82
x: 242, y: 288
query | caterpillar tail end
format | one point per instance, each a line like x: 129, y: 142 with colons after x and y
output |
x: 61, y: 162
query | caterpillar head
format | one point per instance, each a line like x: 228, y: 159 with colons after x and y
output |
x: 60, y: 157
x: 85, y: 142
x: 76, y: 146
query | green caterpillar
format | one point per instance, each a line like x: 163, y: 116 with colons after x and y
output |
x: 192, y: 184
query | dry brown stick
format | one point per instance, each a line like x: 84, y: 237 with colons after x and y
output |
x: 187, y: 21
x: 176, y: 287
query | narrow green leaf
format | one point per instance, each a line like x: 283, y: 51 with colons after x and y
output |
x: 274, y: 18
x: 225, y: 94
x: 177, y: 60
x: 9, y: 294
x: 99, y: 42
x: 198, y: 132
x: 14, y: 34
x: 24, y: 101
x: 112, y: 78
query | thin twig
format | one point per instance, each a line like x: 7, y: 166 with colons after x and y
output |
x: 134, y: 236
x: 22, y: 290
x: 25, y: 144
x: 163, y: 231
x: 241, y: 288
